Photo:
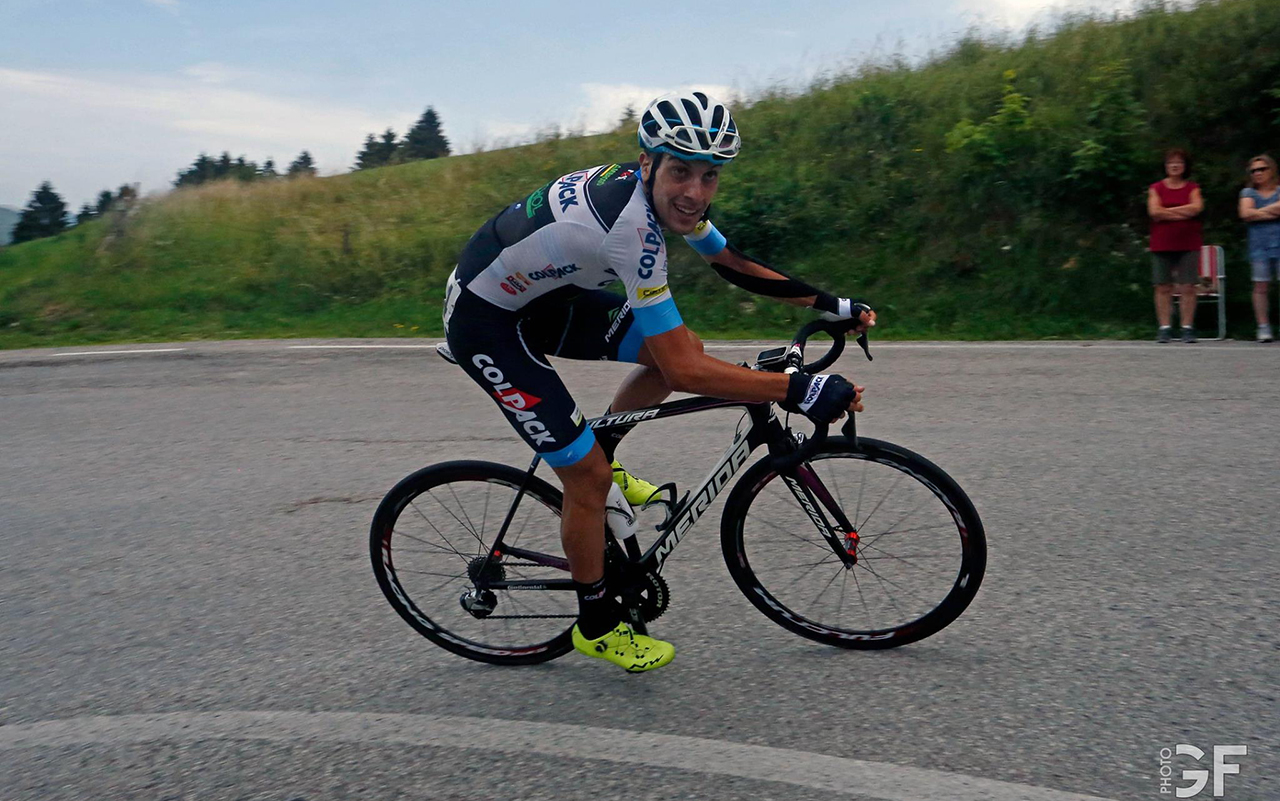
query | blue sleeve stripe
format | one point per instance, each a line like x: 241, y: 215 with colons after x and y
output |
x: 574, y: 452
x: 710, y: 243
x: 657, y: 319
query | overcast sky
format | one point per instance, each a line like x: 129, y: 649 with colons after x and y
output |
x: 97, y: 93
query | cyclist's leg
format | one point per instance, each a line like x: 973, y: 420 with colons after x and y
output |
x: 600, y: 326
x: 491, y: 347
x: 586, y: 488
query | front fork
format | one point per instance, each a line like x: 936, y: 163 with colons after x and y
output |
x: 817, y: 503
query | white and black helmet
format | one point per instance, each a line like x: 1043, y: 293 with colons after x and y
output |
x: 690, y: 125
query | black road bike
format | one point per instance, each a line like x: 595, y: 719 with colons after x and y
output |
x: 846, y: 540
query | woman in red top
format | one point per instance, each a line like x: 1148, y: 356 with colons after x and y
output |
x: 1174, y: 206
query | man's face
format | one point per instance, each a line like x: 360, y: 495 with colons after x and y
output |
x: 682, y: 190
x: 1174, y: 168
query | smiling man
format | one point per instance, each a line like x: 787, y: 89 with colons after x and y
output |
x: 530, y: 284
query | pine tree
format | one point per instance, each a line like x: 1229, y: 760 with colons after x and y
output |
x: 200, y: 171
x: 367, y: 158
x: 45, y: 215
x: 628, y: 119
x: 268, y: 170
x: 424, y: 140
x: 387, y: 147
x: 105, y: 201
x: 302, y: 165
x: 86, y: 214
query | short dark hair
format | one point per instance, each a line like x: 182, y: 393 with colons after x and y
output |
x: 1179, y: 153
x: 1266, y: 159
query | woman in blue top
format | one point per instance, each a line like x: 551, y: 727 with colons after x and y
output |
x: 1260, y: 209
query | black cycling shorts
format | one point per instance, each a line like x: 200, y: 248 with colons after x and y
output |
x: 506, y: 353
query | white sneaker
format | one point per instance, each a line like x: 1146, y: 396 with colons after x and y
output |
x: 1264, y: 333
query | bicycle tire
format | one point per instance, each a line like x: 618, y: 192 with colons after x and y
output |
x: 970, y: 558
x: 383, y: 536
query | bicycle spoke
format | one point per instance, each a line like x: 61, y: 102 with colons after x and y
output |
x: 797, y: 579
x: 895, y: 580
x: 904, y: 559
x: 438, y: 531
x: 821, y: 544
x: 894, y: 526
x: 428, y: 578
x: 862, y: 486
x: 523, y: 526
x: 949, y: 525
x: 871, y: 623
x: 827, y: 586
x: 892, y: 487
x: 831, y: 480
x: 430, y: 573
x: 455, y: 517
x: 436, y: 546
x: 462, y: 508
x: 884, y: 580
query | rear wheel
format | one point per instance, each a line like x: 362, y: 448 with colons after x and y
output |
x: 430, y: 541
x: 920, y: 547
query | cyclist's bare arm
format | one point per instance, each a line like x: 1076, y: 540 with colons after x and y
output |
x: 685, y: 368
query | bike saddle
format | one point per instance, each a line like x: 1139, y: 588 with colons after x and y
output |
x: 445, y: 353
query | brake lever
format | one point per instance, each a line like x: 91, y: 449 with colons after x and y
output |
x: 866, y: 347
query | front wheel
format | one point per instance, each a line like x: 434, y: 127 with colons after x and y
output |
x: 904, y: 563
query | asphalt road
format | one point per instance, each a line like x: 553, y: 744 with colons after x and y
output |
x: 187, y: 609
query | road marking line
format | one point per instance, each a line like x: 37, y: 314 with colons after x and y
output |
x: 353, y: 347
x: 878, y: 780
x: 975, y: 346
x: 113, y: 352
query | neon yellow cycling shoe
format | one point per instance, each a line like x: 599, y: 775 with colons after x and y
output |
x: 635, y: 653
x: 637, y: 491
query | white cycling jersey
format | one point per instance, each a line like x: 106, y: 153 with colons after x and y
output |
x: 579, y: 232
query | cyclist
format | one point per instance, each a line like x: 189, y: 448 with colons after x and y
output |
x: 530, y: 284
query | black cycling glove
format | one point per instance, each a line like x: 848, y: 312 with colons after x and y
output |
x: 821, y: 398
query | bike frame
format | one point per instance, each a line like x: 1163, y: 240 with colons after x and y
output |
x: 764, y: 430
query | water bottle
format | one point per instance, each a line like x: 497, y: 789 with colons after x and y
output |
x: 618, y: 515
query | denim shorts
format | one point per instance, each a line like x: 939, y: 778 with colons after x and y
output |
x: 1266, y: 269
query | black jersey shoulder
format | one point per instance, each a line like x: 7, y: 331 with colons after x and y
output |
x: 523, y: 217
x: 610, y: 189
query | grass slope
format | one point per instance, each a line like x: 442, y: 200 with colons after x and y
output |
x: 996, y: 191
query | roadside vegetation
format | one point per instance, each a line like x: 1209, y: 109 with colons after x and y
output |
x: 995, y: 191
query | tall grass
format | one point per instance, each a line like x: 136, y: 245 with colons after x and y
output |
x: 995, y: 191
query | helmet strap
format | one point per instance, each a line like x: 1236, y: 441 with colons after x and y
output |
x: 653, y: 174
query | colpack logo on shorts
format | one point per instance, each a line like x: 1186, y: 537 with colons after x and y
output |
x: 515, y: 401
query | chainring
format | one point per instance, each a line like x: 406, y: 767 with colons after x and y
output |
x: 655, y: 598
